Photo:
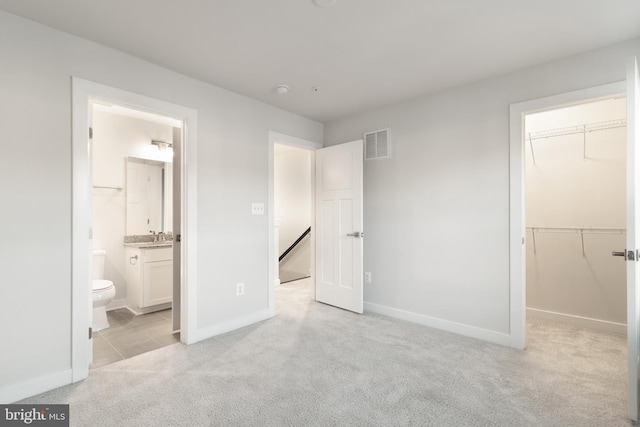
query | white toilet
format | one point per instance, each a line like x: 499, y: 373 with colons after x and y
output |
x: 103, y: 291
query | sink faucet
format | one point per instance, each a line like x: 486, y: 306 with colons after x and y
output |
x: 161, y: 236
x: 155, y: 237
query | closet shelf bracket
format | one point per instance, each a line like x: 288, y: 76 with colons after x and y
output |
x: 583, y: 129
x: 533, y: 156
x: 533, y: 234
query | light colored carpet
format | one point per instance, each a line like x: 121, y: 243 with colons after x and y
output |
x: 315, y: 365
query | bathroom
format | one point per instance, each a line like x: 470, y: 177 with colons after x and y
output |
x: 132, y: 222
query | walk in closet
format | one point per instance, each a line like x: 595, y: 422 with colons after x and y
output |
x: 575, y: 214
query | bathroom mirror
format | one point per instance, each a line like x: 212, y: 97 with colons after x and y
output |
x: 148, y: 196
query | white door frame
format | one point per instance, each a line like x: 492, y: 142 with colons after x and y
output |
x: 517, y: 257
x: 84, y: 92
x: 280, y: 138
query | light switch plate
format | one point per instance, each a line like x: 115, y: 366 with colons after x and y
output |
x: 257, y: 208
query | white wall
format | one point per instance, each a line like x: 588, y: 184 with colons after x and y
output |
x: 116, y: 137
x: 565, y: 189
x: 292, y: 199
x: 35, y: 116
x: 437, y: 213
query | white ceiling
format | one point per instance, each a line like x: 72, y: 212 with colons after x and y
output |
x: 362, y: 54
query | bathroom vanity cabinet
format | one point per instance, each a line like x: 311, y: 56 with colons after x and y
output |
x: 149, y: 278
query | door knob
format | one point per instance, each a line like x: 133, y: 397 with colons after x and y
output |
x: 628, y: 255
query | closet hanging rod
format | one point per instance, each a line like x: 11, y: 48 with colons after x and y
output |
x: 591, y: 127
x: 577, y: 230
x: 108, y: 187
x: 581, y: 231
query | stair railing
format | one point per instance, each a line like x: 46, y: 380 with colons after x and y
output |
x: 298, y: 240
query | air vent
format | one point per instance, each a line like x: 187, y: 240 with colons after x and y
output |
x: 376, y: 145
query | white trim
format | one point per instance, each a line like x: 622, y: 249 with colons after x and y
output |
x: 16, y: 392
x: 583, y: 322
x: 189, y: 216
x: 517, y: 223
x: 436, y: 323
x: 292, y: 141
x: 80, y: 242
x: 151, y: 309
x: 633, y: 234
x: 230, y: 325
x: 276, y: 247
x: 84, y: 92
x: 280, y: 138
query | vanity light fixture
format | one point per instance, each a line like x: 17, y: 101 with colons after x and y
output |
x: 162, y: 145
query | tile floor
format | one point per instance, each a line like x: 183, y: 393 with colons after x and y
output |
x: 130, y: 335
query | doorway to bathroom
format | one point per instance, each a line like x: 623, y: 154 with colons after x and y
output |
x: 184, y: 308
x: 132, y: 156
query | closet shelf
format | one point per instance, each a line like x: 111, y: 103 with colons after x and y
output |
x: 107, y: 187
x: 591, y: 127
x: 583, y: 129
x: 572, y: 230
x: 577, y: 230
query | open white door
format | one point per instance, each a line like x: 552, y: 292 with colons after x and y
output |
x: 339, y: 225
x: 633, y: 232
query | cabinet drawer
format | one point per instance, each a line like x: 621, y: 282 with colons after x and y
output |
x: 158, y: 254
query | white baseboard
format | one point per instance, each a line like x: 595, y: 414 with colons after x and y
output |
x: 16, y: 392
x: 445, y: 325
x: 150, y: 309
x: 228, y: 326
x: 583, y: 322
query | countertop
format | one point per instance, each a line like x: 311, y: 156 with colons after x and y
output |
x: 150, y: 245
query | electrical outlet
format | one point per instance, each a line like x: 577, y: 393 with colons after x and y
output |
x: 257, y: 208
x: 367, y: 277
x: 239, y: 289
